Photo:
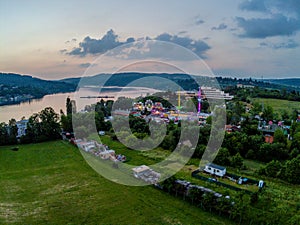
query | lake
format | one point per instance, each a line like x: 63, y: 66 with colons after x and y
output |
x: 58, y: 101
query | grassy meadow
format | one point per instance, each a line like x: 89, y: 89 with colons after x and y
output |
x: 279, y: 105
x: 50, y: 183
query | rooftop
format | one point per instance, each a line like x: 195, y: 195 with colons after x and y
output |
x: 215, y: 166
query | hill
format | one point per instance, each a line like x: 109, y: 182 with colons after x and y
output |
x: 184, y: 80
x: 48, y: 86
x: 293, y: 82
x: 50, y: 183
x: 15, y: 88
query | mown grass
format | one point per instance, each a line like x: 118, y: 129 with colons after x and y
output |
x: 50, y: 183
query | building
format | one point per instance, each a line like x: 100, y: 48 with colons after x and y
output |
x: 86, y: 146
x: 22, y: 127
x: 245, y: 86
x: 107, y: 154
x: 232, y: 128
x: 215, y: 169
x: 207, y: 93
x: 146, y: 174
x: 140, y: 170
x: 269, y: 138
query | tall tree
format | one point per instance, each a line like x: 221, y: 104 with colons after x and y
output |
x: 268, y: 113
x: 279, y: 137
x: 43, y: 126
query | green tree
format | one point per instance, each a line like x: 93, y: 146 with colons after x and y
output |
x: 13, y: 131
x: 3, y: 134
x: 268, y: 113
x: 256, y: 109
x: 43, y: 126
x: 273, y: 168
x: 237, y: 161
x: 292, y: 170
x: 223, y: 157
x: 50, y: 123
x: 66, y: 122
x: 279, y: 137
x: 296, y: 141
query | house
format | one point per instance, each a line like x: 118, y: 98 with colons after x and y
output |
x: 269, y: 138
x: 146, y: 174
x: 22, y: 126
x: 107, y: 154
x: 232, y: 128
x: 140, y: 170
x: 215, y: 169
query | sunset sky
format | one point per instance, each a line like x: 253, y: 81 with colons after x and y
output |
x: 238, y: 38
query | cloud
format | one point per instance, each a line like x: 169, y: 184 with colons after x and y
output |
x: 271, y: 6
x: 63, y: 51
x: 86, y: 65
x: 110, y: 41
x: 290, y: 44
x: 199, y: 21
x: 281, y: 18
x: 222, y: 26
x: 182, y: 32
x: 253, y: 5
x: 72, y: 40
x: 277, y: 25
x: 98, y: 46
x: 197, y: 46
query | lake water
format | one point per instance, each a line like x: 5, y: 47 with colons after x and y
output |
x: 58, y: 101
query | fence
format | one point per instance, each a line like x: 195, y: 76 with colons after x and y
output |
x: 196, y: 175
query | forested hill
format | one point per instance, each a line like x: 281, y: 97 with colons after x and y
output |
x: 15, y: 88
x: 294, y: 82
x: 47, y: 86
x: 185, y: 81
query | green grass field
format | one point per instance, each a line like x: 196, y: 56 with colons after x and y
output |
x: 50, y: 183
x: 279, y: 105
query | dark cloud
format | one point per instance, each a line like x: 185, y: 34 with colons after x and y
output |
x: 98, y: 46
x: 282, y: 18
x: 270, y: 6
x: 290, y: 44
x: 110, y: 41
x: 197, y: 46
x: 222, y: 26
x: 277, y: 25
x: 253, y: 5
x: 75, y: 51
x: 86, y: 65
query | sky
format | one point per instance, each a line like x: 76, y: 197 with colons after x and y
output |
x: 238, y: 38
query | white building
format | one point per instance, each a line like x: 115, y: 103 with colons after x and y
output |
x: 22, y: 126
x: 207, y: 92
x: 86, y: 146
x: 215, y: 169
